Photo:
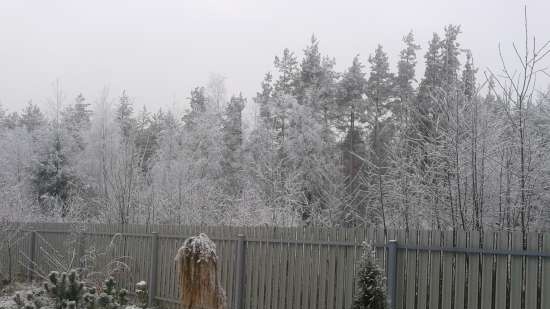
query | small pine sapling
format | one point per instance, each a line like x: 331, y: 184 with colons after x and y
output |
x: 64, y: 288
x: 370, y: 283
x: 89, y: 299
x: 109, y: 298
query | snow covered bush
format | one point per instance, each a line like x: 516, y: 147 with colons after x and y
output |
x: 197, y: 265
x: 64, y: 288
x: 109, y: 298
x: 141, y: 294
x: 370, y: 283
x: 32, y: 300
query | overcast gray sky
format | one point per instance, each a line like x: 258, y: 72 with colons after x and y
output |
x: 159, y: 50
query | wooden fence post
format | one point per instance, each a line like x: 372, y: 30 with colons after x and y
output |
x: 154, y: 268
x: 392, y: 273
x: 32, y: 256
x: 240, y: 272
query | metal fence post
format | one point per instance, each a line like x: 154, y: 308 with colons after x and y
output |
x: 240, y: 272
x: 32, y: 256
x: 154, y: 268
x: 392, y: 273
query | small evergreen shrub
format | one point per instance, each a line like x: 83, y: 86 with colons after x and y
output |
x: 69, y: 292
x: 64, y: 288
x: 371, y: 290
x: 109, y: 298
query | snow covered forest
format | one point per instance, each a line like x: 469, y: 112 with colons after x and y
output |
x: 459, y: 147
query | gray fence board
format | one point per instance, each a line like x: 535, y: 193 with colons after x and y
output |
x: 501, y: 271
x: 516, y: 278
x: 473, y: 271
x: 531, y: 272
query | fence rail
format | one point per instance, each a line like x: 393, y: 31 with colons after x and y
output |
x: 274, y: 267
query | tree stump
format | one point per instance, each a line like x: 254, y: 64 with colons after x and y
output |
x: 197, y: 265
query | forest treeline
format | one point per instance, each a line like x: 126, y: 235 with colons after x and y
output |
x: 375, y: 144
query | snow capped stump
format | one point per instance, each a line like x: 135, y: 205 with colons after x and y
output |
x: 197, y: 264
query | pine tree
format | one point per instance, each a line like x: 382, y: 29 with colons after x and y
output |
x: 147, y: 138
x: 232, y: 162
x: 405, y: 78
x: 197, y: 102
x: 449, y: 56
x: 400, y: 148
x: 352, y: 105
x: 32, y: 117
x: 76, y: 120
x: 53, y: 179
x: 124, y: 118
x: 263, y: 98
x: 425, y: 113
x: 379, y: 93
x: 310, y: 69
x: 2, y: 116
x: 370, y: 284
x: 351, y: 96
x: 287, y: 66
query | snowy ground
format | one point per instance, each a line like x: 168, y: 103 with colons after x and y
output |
x: 7, y: 293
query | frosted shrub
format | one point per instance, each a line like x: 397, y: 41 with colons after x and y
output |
x: 197, y: 265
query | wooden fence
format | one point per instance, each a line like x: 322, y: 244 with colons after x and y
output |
x: 272, y: 267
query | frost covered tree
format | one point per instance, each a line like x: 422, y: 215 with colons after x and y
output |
x: 362, y: 146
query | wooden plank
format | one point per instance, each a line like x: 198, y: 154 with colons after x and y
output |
x: 487, y: 273
x: 340, y: 268
x: 331, y: 269
x: 307, y: 269
x: 323, y: 272
x: 401, y: 238
x: 423, y: 263
x: 474, y: 270
x: 531, y: 272
x: 225, y: 255
x: 434, y: 271
x: 291, y: 268
x: 249, y: 291
x: 264, y: 265
x: 271, y: 292
x: 300, y: 272
x: 410, y: 300
x: 380, y: 240
x: 545, y: 275
x: 315, y: 270
x: 285, y: 276
x: 501, y: 271
x: 305, y: 261
x: 349, y: 265
x: 460, y: 271
x: 516, y: 277
x: 447, y: 260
